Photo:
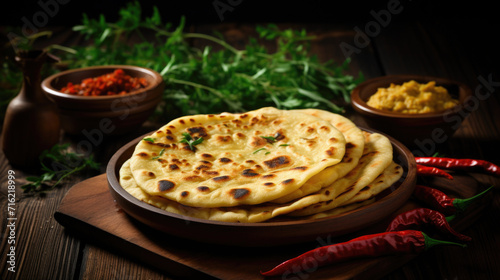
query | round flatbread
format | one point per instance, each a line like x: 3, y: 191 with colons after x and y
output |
x: 267, y: 211
x: 390, y: 175
x: 341, y: 209
x: 377, y: 156
x: 355, y: 142
x: 243, y: 159
x: 237, y: 214
x: 366, y: 195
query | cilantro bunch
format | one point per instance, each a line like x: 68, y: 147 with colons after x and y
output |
x: 216, y: 77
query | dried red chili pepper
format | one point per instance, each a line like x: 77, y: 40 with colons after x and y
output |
x: 460, y: 164
x: 418, y: 218
x: 443, y: 203
x: 373, y: 245
x: 432, y: 171
x: 115, y: 83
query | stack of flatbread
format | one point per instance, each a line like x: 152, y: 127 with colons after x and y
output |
x: 259, y: 165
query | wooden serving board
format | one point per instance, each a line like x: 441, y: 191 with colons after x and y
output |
x: 89, y: 211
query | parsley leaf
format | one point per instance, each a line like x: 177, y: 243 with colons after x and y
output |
x: 186, y: 138
x: 270, y: 139
x: 161, y: 154
x: 261, y: 149
x: 215, y: 76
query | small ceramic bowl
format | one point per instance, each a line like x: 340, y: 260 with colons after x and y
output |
x: 113, y: 114
x: 424, y: 131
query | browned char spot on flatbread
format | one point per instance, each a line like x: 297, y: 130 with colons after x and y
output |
x: 287, y: 181
x: 239, y: 193
x: 197, y: 132
x: 249, y: 173
x: 278, y: 162
x: 225, y: 160
x: 165, y: 185
x: 301, y: 168
x: 203, y: 188
x: 221, y: 178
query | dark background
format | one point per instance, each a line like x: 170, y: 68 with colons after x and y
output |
x: 475, y: 24
x: 70, y: 13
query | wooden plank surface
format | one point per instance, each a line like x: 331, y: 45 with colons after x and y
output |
x: 39, y: 240
x: 88, y: 210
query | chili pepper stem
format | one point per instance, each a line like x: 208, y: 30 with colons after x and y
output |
x: 462, y: 204
x: 431, y: 242
x: 450, y: 218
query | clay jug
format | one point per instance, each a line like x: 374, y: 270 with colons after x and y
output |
x: 31, y: 122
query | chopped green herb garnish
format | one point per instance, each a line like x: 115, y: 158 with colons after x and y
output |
x: 270, y: 139
x: 186, y: 138
x: 161, y: 154
x: 261, y: 149
x: 150, y: 140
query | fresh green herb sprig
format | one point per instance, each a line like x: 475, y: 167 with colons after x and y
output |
x: 58, y: 164
x: 273, y: 139
x: 216, y: 77
x: 161, y: 154
x: 261, y: 149
x: 269, y: 139
x: 187, y: 139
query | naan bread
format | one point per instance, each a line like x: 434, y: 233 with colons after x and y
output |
x: 235, y: 164
x: 355, y: 142
x: 377, y: 156
x: 260, y: 165
x: 366, y: 195
x: 237, y: 214
x: 266, y: 211
x: 390, y: 175
x: 340, y: 210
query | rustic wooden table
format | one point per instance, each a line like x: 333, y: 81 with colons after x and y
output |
x: 461, y: 50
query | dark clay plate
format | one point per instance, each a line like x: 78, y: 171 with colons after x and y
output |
x: 273, y: 232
